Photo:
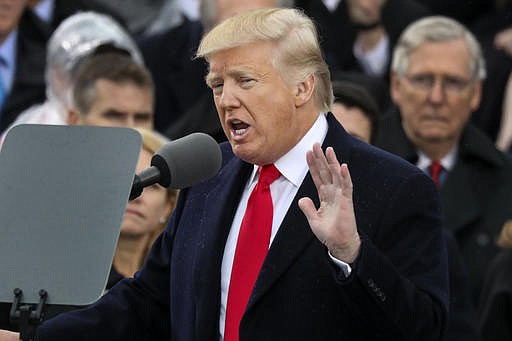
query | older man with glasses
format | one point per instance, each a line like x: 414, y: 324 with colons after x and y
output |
x: 436, y: 83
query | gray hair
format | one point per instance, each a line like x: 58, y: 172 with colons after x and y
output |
x: 297, y: 54
x: 436, y: 29
x: 208, y: 11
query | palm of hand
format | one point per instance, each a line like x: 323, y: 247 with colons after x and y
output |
x: 333, y: 222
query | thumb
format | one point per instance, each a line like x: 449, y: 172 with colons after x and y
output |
x: 307, y: 207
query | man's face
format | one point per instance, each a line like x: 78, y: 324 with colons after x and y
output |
x: 365, y: 12
x: 256, y: 106
x: 121, y: 105
x: 437, y: 94
x: 10, y: 13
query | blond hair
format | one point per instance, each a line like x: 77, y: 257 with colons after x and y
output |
x: 151, y: 140
x: 297, y: 54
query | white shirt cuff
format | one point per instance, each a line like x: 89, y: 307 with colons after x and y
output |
x: 345, y: 267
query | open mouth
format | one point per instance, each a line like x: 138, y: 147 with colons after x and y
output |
x: 239, y: 128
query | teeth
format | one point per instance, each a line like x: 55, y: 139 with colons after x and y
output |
x: 240, y: 131
x: 237, y: 121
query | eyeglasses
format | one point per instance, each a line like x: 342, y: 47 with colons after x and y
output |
x: 449, y: 84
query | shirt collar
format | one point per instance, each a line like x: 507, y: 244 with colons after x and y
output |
x: 44, y: 10
x: 8, y: 49
x: 331, y: 5
x: 293, y: 165
x: 8, y: 59
x: 447, y: 162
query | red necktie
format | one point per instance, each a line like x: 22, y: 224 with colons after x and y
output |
x: 251, y: 248
x: 434, y: 170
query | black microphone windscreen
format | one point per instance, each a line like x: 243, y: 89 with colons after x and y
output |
x: 187, y: 161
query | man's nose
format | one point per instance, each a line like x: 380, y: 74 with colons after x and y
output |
x: 436, y: 94
x: 130, y: 121
x: 228, y: 98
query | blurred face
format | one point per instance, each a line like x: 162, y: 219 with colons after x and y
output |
x: 355, y: 122
x: 365, y: 12
x: 437, y: 94
x: 143, y: 214
x: 121, y: 105
x: 10, y: 13
x: 229, y: 8
x: 256, y: 107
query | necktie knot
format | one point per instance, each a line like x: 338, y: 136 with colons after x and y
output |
x: 267, y: 175
x: 434, y: 170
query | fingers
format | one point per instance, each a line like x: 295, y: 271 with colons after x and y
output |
x: 346, y: 182
x: 325, y: 168
x: 323, y: 172
x: 334, y: 166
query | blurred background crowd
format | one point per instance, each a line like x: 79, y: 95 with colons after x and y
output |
x: 131, y: 63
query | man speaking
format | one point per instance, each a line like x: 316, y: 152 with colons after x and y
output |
x: 284, y: 243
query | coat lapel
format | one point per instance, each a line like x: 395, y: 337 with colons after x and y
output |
x: 459, y: 213
x: 213, y: 230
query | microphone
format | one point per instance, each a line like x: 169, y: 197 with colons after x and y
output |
x: 180, y: 163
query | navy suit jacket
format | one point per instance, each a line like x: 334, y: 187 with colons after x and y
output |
x: 397, y: 289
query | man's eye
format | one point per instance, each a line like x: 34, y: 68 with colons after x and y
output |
x: 247, y: 81
x: 113, y: 115
x: 217, y: 88
x: 455, y: 84
x: 422, y: 80
x: 143, y: 118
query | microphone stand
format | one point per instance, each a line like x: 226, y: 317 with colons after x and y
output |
x: 146, y: 178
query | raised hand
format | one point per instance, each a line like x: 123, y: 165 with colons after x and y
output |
x: 334, y: 222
